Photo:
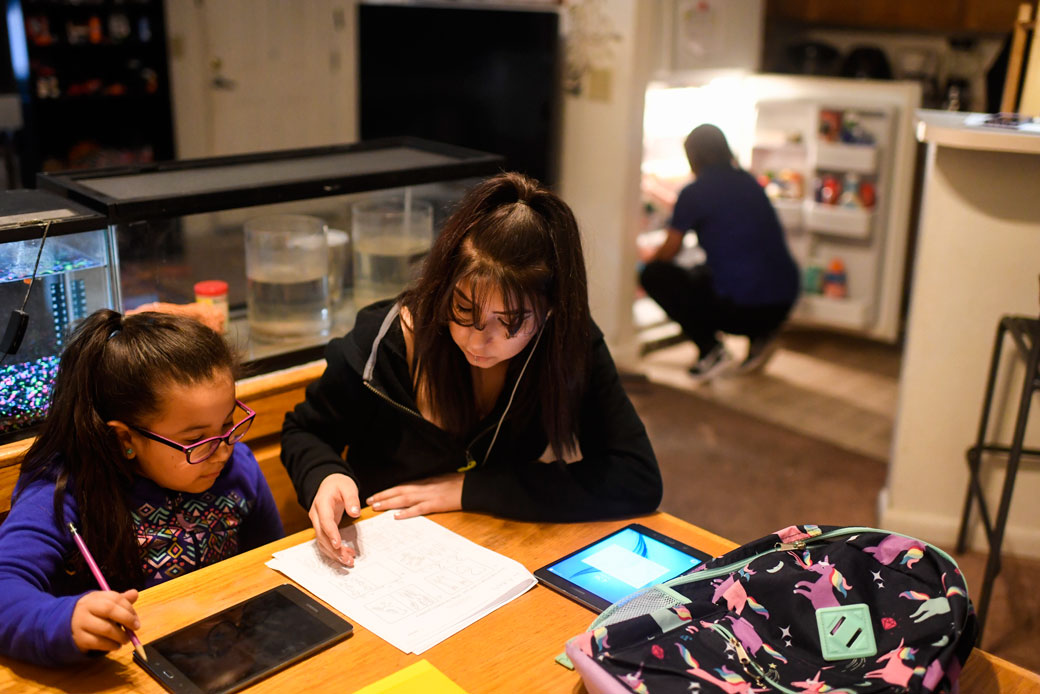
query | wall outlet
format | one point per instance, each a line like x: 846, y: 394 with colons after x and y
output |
x: 600, y: 83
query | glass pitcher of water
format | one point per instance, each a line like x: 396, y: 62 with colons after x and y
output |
x: 287, y: 277
x: 391, y: 237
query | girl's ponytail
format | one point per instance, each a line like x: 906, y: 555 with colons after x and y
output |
x: 112, y: 369
x: 73, y: 438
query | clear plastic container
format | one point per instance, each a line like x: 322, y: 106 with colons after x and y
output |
x: 287, y: 277
x: 391, y: 237
x: 340, y: 269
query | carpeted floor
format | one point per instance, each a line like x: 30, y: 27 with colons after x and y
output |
x: 742, y: 477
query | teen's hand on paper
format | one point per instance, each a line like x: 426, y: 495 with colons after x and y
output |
x: 97, y: 616
x: 431, y: 495
x: 337, y: 493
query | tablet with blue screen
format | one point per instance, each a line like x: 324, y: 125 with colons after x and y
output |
x: 620, y: 564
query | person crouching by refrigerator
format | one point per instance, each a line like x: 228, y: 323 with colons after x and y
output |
x: 748, y: 282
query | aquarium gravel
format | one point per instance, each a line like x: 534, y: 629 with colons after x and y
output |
x: 25, y: 392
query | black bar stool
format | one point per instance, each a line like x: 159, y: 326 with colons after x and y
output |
x: 1025, y: 333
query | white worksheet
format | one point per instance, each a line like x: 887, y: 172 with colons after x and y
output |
x: 414, y: 582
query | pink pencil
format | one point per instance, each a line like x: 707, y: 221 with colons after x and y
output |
x: 104, y: 585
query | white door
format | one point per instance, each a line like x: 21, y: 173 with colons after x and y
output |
x: 261, y: 75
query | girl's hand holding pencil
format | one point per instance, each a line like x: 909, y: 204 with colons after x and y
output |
x: 102, y: 620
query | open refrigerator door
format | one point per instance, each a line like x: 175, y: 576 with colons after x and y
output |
x: 836, y: 158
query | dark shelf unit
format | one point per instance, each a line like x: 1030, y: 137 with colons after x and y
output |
x: 94, y: 83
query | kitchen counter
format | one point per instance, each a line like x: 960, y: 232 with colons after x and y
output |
x: 964, y: 131
x: 977, y: 259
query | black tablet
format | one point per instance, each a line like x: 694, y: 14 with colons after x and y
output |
x: 235, y: 647
x: 621, y: 563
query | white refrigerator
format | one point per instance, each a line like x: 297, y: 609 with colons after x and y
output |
x: 837, y: 158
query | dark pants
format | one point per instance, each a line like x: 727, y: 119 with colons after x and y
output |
x: 689, y: 298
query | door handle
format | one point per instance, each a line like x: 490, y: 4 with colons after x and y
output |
x: 219, y: 81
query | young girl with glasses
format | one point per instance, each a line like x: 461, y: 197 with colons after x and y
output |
x: 141, y: 451
x: 485, y: 387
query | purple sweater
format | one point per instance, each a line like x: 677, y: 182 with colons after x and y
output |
x: 177, y: 532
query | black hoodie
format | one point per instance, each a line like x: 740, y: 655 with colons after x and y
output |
x: 373, y: 413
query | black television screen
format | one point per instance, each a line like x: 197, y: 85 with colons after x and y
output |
x: 473, y: 77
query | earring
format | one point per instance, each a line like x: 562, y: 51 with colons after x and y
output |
x: 129, y: 452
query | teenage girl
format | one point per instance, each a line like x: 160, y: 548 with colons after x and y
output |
x: 484, y: 387
x: 140, y: 450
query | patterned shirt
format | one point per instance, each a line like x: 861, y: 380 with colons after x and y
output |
x: 178, y: 532
x: 187, y: 532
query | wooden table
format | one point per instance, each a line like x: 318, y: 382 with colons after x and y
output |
x: 510, y: 650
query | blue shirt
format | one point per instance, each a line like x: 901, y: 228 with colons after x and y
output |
x: 176, y: 531
x: 741, y: 236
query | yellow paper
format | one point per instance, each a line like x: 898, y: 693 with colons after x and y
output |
x: 420, y: 677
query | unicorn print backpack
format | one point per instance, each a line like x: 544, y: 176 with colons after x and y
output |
x: 806, y: 609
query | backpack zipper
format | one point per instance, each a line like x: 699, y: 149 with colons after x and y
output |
x: 856, y: 530
x: 752, y: 669
x: 802, y: 544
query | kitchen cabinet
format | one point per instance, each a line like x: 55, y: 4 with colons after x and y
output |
x: 986, y: 16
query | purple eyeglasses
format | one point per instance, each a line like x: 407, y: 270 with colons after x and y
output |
x: 201, y: 450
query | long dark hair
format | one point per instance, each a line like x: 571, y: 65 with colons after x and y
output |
x: 113, y: 369
x: 706, y: 146
x: 511, y: 235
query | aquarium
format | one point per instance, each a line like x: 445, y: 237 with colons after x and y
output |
x: 75, y: 276
x: 292, y: 286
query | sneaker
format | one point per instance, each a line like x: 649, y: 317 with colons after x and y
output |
x: 712, y: 363
x: 760, y: 350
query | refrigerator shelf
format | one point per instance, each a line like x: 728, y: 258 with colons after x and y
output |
x: 791, y: 151
x: 789, y: 211
x: 846, y: 313
x: 839, y: 221
x: 836, y: 156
